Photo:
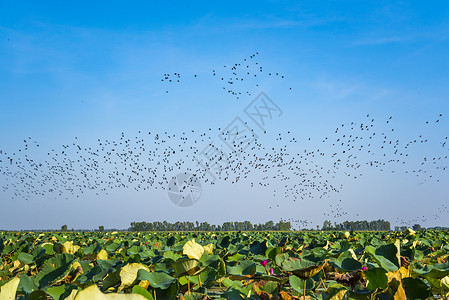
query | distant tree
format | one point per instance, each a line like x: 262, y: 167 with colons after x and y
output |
x: 101, y: 228
x: 327, y: 225
x: 416, y: 227
x: 64, y: 228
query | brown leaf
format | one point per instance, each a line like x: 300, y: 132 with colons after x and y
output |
x: 286, y: 296
x: 262, y: 294
x: 204, y: 298
x: 405, y: 262
x: 349, y: 279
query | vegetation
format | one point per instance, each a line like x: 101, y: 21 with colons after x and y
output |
x: 204, y: 226
x: 379, y: 225
x: 225, y: 265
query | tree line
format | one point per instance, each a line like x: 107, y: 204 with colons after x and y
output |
x: 205, y: 226
x: 379, y: 225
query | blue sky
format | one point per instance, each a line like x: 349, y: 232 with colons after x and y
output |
x: 94, y: 70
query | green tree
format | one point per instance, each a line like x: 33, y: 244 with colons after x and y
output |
x: 416, y: 227
x: 327, y: 225
x: 64, y: 228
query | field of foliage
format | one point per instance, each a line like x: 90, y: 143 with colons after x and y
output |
x: 224, y: 265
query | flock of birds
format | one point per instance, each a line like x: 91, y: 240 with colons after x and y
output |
x: 293, y: 170
x: 234, y: 78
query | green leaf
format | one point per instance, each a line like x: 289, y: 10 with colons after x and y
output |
x: 158, y: 280
x: 377, y: 278
x: 301, y: 267
x: 27, y: 284
x: 272, y: 252
x: 280, y: 258
x: 210, y: 260
x: 236, y: 292
x: 245, y: 268
x: 207, y: 276
x: 168, y: 294
x: 387, y: 256
x: 137, y: 289
x: 54, y: 270
x: 338, y: 292
x: 38, y: 295
x: 415, y: 288
x: 346, y: 263
x: 298, y: 284
x: 185, y: 266
x: 49, y: 250
x: 112, y: 279
x: 222, y: 268
x: 258, y: 248
x: 437, y: 271
x: 25, y: 258
x: 61, y: 292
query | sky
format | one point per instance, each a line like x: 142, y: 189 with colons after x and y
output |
x: 90, y: 73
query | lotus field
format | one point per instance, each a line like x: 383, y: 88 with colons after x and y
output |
x: 225, y: 265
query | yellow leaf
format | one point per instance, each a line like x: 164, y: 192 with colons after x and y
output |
x: 354, y: 256
x: 404, y: 272
x: 8, y: 290
x: 76, y: 266
x: 68, y: 247
x: 397, y: 243
x: 93, y: 293
x: 445, y: 281
x: 340, y: 295
x: 102, y: 255
x: 72, y: 295
x: 145, y: 284
x: 128, y: 274
x: 347, y: 234
x: 208, y: 249
x: 16, y: 266
x: 396, y: 277
x: 193, y: 249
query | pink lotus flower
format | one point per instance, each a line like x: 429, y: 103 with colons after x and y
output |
x: 364, y: 268
x: 264, y: 263
x: 271, y: 271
